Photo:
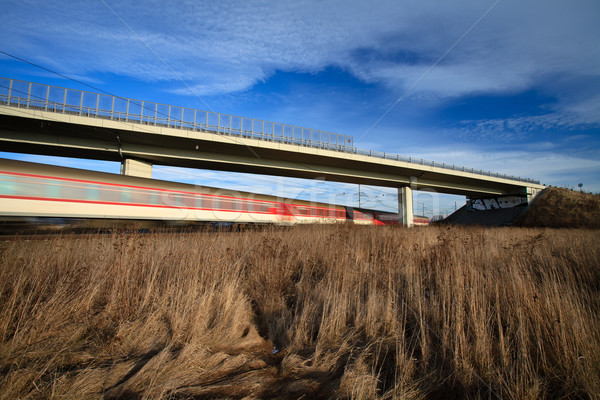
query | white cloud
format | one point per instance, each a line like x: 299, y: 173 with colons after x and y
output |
x: 587, y: 109
x: 510, y: 129
x: 220, y: 47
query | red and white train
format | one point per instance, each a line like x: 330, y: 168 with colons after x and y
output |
x: 39, y: 190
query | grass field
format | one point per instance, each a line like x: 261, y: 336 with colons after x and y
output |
x: 319, y: 311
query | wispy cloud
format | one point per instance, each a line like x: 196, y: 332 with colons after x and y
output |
x: 586, y: 108
x: 229, y: 46
x: 513, y: 128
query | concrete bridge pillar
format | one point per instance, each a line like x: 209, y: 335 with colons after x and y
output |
x: 531, y: 193
x: 405, y: 206
x: 138, y: 168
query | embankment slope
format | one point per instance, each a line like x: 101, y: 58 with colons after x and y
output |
x: 562, y: 208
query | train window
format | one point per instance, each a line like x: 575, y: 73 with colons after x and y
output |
x: 208, y: 202
x: 29, y: 187
x: 188, y: 201
x: 7, y: 186
x: 139, y: 196
x: 199, y: 201
x: 225, y: 204
x: 74, y: 191
x: 170, y: 199
x: 242, y: 205
x: 92, y: 192
x: 109, y: 194
x: 174, y: 199
x: 125, y: 195
x: 53, y: 189
x: 262, y: 207
x: 253, y: 206
x: 153, y: 197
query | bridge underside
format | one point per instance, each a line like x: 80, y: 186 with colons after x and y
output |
x: 24, y: 132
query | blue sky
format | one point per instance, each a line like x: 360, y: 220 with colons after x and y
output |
x: 500, y: 85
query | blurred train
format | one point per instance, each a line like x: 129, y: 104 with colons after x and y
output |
x: 30, y: 190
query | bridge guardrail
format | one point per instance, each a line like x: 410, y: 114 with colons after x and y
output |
x: 17, y: 93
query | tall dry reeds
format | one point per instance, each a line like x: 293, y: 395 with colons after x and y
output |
x: 563, y: 208
x: 320, y: 311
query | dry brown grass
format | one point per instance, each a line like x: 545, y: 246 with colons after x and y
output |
x: 355, y: 312
x: 563, y: 208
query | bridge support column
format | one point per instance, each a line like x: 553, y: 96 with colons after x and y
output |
x: 138, y: 168
x: 405, y: 206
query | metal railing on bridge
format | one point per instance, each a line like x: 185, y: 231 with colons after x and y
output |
x: 23, y: 94
x: 97, y: 105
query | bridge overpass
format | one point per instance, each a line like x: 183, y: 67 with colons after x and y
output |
x: 49, y: 120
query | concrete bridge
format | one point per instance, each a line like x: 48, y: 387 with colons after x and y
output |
x: 49, y: 120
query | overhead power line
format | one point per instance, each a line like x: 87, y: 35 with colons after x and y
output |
x: 56, y: 73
